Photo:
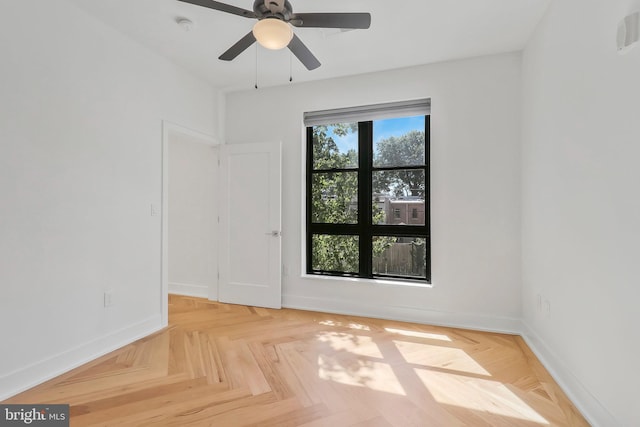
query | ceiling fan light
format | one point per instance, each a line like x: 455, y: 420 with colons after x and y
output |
x: 273, y: 33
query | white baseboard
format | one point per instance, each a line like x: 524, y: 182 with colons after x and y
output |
x: 189, y: 290
x: 25, y: 378
x: 588, y: 405
x: 478, y: 322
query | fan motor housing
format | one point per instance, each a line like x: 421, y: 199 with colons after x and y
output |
x: 273, y: 9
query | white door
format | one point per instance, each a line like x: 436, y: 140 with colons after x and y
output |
x: 250, y: 242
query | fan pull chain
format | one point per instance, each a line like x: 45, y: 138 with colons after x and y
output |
x: 256, y: 85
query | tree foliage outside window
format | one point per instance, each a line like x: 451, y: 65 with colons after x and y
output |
x: 395, y: 170
x: 406, y: 150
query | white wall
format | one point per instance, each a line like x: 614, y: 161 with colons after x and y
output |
x: 475, y: 152
x: 581, y: 210
x: 193, y: 216
x: 81, y: 110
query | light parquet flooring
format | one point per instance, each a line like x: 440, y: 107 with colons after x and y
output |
x: 228, y: 365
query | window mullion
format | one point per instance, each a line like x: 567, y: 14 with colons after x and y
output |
x: 309, y: 198
x: 365, y: 162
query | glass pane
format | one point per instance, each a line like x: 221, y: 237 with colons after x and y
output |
x: 334, y: 198
x: 335, y: 253
x: 400, y: 256
x: 399, y: 142
x: 398, y: 197
x: 335, y: 146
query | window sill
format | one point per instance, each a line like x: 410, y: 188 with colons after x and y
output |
x: 375, y: 282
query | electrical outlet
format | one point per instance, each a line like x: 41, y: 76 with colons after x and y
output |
x: 108, y: 298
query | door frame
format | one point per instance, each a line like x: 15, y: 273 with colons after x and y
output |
x: 167, y: 128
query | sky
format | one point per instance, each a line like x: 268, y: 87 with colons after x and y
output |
x: 382, y: 129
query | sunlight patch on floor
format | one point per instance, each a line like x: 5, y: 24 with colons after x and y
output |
x: 477, y: 394
x: 361, y: 345
x: 435, y: 356
x: 345, y: 325
x: 418, y: 334
x: 361, y: 373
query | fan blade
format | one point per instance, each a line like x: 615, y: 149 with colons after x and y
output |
x: 332, y: 20
x: 242, y: 45
x: 303, y: 53
x: 222, y: 7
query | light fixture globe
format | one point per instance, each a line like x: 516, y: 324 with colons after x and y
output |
x: 273, y: 33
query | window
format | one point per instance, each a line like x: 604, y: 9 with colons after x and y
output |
x: 368, y: 192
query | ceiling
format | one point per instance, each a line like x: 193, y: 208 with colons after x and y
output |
x: 403, y: 33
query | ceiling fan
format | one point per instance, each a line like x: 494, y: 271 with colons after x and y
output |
x: 273, y: 29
